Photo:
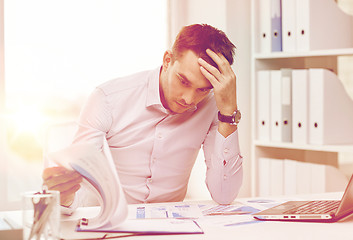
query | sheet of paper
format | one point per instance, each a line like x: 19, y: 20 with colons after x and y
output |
x: 236, y: 214
x: 154, y: 226
x: 236, y: 208
x: 264, y: 203
x: 180, y: 210
x: 227, y: 221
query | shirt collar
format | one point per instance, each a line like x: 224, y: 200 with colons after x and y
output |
x: 153, y: 94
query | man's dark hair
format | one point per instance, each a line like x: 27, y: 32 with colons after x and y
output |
x: 198, y: 38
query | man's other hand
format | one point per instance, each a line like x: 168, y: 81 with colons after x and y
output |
x: 65, y: 181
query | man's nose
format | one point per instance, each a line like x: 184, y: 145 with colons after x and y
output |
x: 189, y: 97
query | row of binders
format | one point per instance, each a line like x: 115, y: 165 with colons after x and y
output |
x: 303, y: 106
x: 289, y: 177
x: 302, y: 25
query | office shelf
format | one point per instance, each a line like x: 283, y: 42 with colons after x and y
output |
x: 310, y: 147
x: 316, y: 53
x: 328, y: 58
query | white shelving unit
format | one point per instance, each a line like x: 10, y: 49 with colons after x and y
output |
x: 310, y: 147
x: 316, y: 53
x: 324, y: 154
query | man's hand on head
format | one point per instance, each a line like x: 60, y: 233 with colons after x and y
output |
x: 222, y: 80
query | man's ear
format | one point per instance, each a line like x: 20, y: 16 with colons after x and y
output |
x: 167, y: 59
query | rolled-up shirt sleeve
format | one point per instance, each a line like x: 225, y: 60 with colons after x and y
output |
x: 224, y: 166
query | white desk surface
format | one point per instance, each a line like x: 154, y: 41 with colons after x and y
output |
x: 261, y: 230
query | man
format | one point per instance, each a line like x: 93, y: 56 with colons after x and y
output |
x: 156, y: 121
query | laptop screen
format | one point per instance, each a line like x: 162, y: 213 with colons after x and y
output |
x: 346, y: 205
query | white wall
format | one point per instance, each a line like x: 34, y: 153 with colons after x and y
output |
x: 233, y: 17
x: 208, y: 11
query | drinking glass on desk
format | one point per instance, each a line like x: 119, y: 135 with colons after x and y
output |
x: 41, y: 215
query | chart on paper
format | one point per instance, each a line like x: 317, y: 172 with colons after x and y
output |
x: 164, y: 211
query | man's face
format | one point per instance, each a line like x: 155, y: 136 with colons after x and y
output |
x: 182, y: 85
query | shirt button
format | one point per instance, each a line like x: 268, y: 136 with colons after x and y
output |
x: 226, y: 150
x: 160, y: 135
x: 224, y: 177
x: 149, y: 180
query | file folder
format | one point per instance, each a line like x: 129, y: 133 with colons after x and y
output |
x: 331, y: 109
x: 286, y: 101
x: 276, y: 26
x: 300, y: 100
x: 318, y: 178
x: 276, y: 106
x: 303, y: 178
x: 336, y: 180
x: 149, y: 227
x: 290, y: 177
x: 264, y: 22
x: 289, y: 25
x: 264, y: 177
x: 321, y: 24
x: 326, y: 178
x: 271, y: 177
x: 263, y: 105
x: 276, y: 177
x: 303, y: 25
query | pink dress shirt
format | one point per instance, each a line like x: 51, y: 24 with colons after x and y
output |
x: 153, y: 149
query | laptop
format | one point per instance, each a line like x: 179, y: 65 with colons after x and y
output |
x: 316, y: 211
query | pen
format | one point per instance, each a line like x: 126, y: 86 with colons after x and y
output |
x: 241, y: 223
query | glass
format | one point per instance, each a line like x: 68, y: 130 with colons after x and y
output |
x: 41, y: 215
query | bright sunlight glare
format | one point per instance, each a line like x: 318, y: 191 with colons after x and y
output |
x: 24, y: 127
x: 28, y: 119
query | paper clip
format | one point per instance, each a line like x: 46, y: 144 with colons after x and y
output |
x: 84, y: 221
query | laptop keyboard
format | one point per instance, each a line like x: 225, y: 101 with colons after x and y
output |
x: 315, y: 207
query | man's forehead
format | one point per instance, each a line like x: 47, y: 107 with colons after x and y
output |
x: 188, y: 67
x: 197, y: 81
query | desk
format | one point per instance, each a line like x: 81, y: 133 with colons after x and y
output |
x: 259, y: 230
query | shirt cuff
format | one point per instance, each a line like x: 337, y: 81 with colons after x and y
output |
x: 227, y: 148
